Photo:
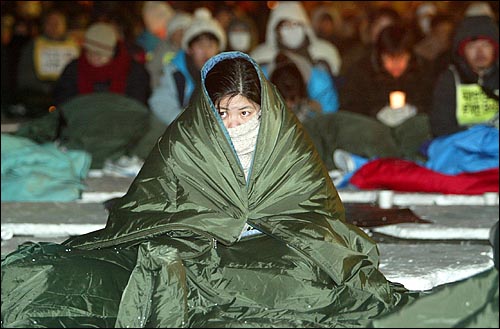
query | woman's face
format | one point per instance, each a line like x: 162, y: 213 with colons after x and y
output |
x: 237, y: 110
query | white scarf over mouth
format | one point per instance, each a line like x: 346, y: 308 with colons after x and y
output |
x: 244, y: 138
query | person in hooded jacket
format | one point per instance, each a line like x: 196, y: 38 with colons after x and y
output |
x: 464, y: 116
x: 202, y: 39
x: 231, y: 221
x: 466, y: 94
x: 166, y: 49
x: 155, y: 15
x: 242, y: 34
x: 289, y: 72
x: 289, y: 29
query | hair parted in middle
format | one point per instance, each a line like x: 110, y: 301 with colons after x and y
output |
x: 232, y: 77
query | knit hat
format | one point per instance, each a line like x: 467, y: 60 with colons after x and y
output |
x: 181, y: 20
x: 426, y: 9
x: 479, y: 8
x: 473, y: 28
x: 204, y: 23
x: 101, y: 38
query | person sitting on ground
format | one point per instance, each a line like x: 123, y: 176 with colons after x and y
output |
x: 103, y: 66
x: 201, y: 40
x: 242, y: 34
x: 367, y: 124
x: 436, y: 46
x: 466, y: 93
x: 232, y: 220
x: 155, y: 16
x: 289, y: 29
x: 166, y: 49
x: 464, y: 115
x: 289, y: 73
x: 392, y: 67
x: 41, y: 63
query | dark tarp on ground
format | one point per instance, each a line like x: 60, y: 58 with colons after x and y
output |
x: 366, y: 136
x: 169, y: 255
x: 106, y: 125
x: 368, y: 215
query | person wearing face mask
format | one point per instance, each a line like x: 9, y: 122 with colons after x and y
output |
x: 289, y: 29
x: 291, y: 35
x: 320, y: 51
x: 242, y: 34
x: 423, y: 17
x: 176, y: 252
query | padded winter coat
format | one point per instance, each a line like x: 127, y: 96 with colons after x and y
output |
x: 443, y: 117
x: 170, y: 254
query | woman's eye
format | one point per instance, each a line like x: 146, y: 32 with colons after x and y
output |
x: 222, y: 114
x: 245, y: 113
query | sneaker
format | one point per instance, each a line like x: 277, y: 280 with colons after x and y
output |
x: 124, y: 166
x: 348, y: 162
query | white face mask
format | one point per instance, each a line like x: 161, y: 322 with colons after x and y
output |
x: 239, y: 40
x: 425, y: 24
x: 292, y: 36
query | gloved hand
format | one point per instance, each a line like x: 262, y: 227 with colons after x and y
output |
x: 394, y: 117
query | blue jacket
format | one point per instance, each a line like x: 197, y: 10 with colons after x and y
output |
x: 320, y: 88
x: 174, y: 91
x: 470, y: 150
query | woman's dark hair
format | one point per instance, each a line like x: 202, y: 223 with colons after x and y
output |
x: 395, y: 39
x: 232, y: 77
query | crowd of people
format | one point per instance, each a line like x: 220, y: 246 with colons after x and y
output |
x: 335, y: 65
x: 233, y: 217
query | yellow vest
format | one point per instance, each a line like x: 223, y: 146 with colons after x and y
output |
x: 51, y: 57
x: 473, y: 105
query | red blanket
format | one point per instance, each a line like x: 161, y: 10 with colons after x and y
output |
x: 407, y: 176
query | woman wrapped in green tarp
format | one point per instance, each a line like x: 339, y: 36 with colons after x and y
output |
x: 232, y: 221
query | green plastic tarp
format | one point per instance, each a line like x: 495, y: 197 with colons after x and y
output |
x: 173, y: 240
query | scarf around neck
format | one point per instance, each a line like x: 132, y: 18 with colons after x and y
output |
x: 244, y: 138
x: 114, y: 73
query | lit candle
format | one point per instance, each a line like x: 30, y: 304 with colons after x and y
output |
x: 397, y: 99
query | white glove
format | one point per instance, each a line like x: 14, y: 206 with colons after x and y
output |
x: 394, y: 117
